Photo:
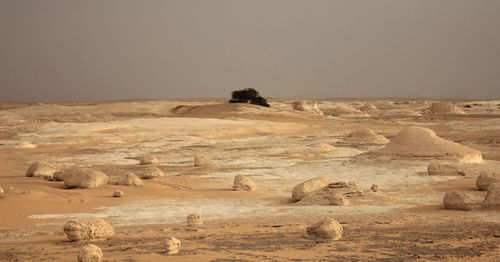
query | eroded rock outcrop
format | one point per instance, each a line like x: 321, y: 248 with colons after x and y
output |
x: 307, y: 106
x: 445, y: 108
x: 88, y: 229
x: 364, y: 136
x: 307, y: 187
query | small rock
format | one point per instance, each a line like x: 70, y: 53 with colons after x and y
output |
x: 327, y: 228
x: 203, y: 161
x: 485, y: 179
x: 456, y: 200
x: 194, y: 220
x: 305, y: 188
x: 1, y: 190
x: 152, y: 173
x: 11, y: 188
x: 90, y: 253
x: 27, y: 192
x: 148, y: 160
x: 118, y: 193
x: 172, y: 245
x: 129, y: 179
x: 374, y: 188
x: 243, y: 183
x: 88, y: 229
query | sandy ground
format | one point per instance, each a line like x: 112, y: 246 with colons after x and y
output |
x: 277, y: 147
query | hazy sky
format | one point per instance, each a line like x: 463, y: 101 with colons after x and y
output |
x: 122, y: 49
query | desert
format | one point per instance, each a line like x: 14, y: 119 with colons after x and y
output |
x: 208, y: 180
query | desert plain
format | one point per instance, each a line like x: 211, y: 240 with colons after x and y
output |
x: 356, y: 141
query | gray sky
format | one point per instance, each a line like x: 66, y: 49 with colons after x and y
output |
x: 123, y: 49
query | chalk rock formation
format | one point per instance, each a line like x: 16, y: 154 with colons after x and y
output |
x: 438, y: 169
x: 485, y: 179
x: 203, y: 161
x: 81, y: 177
x: 423, y: 143
x: 129, y: 179
x: 333, y: 194
x: 492, y: 198
x: 367, y: 107
x: 148, y: 160
x: 307, y: 187
x: 344, y: 111
x: 323, y: 147
x: 118, y: 193
x: 325, y: 229
x: 307, y: 106
x: 194, y: 220
x: 445, y: 108
x: 172, y: 245
x: 364, y: 136
x: 90, y: 253
x: 41, y: 169
x: 456, y: 200
x: 88, y: 229
x: 243, y: 183
x: 152, y: 173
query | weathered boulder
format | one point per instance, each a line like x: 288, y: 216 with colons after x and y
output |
x: 203, y: 161
x: 152, y: 173
x: 456, y: 200
x: 129, y: 179
x: 492, y: 198
x: 172, y: 245
x: 325, y: 229
x: 118, y: 193
x: 194, y: 220
x: 90, y: 253
x: 243, y: 183
x: 81, y: 177
x: 41, y: 169
x: 438, y: 169
x: 148, y: 160
x: 485, y: 179
x: 305, y: 188
x: 88, y: 229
